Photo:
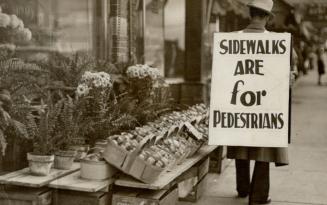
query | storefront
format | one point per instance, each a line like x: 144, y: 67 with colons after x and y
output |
x: 174, y: 36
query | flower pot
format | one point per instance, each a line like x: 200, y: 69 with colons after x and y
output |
x: 81, y: 151
x: 96, y: 170
x: 40, y: 165
x: 64, y: 159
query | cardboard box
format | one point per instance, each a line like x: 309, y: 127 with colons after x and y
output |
x: 145, y: 197
x: 196, y: 192
x: 65, y: 197
x: 10, y: 195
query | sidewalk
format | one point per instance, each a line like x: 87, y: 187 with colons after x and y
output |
x: 304, y: 181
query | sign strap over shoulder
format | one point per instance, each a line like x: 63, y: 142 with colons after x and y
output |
x: 242, y: 31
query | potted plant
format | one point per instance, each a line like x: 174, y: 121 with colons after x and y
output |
x: 48, y: 130
x: 95, y: 101
x: 65, y: 135
x: 40, y: 127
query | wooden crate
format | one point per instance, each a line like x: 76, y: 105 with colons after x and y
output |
x: 25, y: 196
x: 196, y: 192
x: 64, y: 197
x: 203, y: 168
x: 216, y: 157
x: 192, y: 178
x: 146, y: 197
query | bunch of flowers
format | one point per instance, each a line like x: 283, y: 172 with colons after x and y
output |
x: 12, y: 29
x: 142, y: 79
x: 91, y: 81
x: 142, y: 71
x: 100, y: 113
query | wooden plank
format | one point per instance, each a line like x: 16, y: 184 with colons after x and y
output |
x: 166, y: 177
x: 65, y: 197
x: 75, y: 183
x: 24, y: 196
x: 24, y: 178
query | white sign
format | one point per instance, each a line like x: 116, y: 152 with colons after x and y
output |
x: 250, y: 89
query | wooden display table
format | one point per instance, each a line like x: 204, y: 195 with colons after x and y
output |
x: 74, y: 190
x: 66, y: 197
x: 167, y: 179
x: 24, y: 178
x: 13, y: 195
x: 74, y: 182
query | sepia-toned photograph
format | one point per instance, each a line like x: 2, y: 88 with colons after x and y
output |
x: 163, y: 102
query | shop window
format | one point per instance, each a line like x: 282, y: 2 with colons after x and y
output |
x: 174, y: 25
x: 60, y: 25
x: 74, y: 24
x: 154, y: 47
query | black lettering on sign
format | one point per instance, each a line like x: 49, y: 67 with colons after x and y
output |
x: 248, y: 120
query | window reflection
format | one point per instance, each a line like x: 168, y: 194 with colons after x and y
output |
x: 60, y: 25
x: 174, y: 38
x: 154, y: 34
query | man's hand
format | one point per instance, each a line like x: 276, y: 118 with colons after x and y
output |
x: 292, y: 78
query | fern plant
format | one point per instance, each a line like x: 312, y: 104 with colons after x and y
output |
x: 8, y: 125
x: 52, y: 128
x: 22, y: 79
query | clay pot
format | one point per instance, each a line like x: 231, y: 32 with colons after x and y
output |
x: 40, y: 165
x: 64, y: 159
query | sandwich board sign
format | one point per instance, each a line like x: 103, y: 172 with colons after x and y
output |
x: 249, y: 103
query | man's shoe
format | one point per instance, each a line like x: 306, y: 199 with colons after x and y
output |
x: 267, y: 201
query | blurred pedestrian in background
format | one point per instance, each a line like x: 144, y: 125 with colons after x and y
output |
x: 313, y: 58
x: 321, y: 65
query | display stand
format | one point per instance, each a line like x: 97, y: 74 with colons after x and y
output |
x: 196, y: 166
x: 167, y: 179
x: 74, y: 190
x: 10, y: 195
x: 74, y: 182
x: 21, y: 188
x: 24, y: 178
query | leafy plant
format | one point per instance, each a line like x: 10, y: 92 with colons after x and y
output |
x: 52, y: 127
x: 22, y: 79
x: 149, y: 92
x: 97, y: 104
x: 69, y: 68
x: 8, y: 125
